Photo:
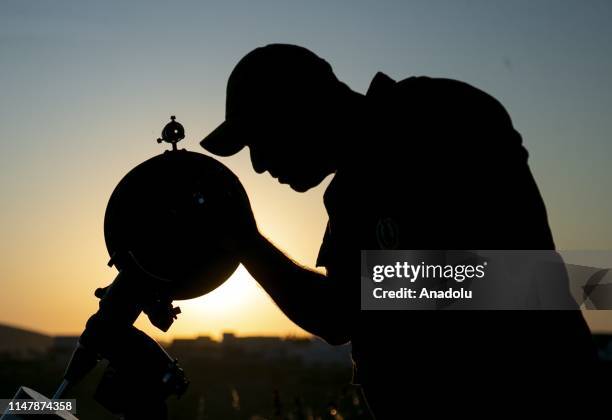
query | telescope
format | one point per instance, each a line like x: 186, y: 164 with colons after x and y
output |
x: 162, y: 231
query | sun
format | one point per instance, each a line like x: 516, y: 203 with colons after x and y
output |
x: 233, y: 294
x: 239, y: 306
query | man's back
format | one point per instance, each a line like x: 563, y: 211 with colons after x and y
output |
x: 443, y: 168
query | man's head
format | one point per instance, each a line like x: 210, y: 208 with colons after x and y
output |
x: 288, y: 107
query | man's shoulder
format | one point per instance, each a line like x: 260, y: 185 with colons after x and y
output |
x: 440, y: 97
x: 428, y: 116
x: 413, y: 122
x: 437, y: 84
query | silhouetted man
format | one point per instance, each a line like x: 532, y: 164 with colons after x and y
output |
x: 423, y: 163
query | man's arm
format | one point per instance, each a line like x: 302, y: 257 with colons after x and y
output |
x: 313, y: 301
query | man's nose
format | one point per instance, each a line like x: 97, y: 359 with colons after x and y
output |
x: 257, y: 160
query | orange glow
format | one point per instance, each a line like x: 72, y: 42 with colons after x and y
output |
x: 54, y: 256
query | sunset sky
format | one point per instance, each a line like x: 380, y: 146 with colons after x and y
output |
x: 86, y: 87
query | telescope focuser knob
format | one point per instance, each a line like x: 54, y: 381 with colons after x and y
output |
x: 172, y: 133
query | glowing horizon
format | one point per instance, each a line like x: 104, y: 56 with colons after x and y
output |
x: 88, y: 86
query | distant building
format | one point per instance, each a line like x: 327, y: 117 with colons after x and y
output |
x: 269, y: 348
x: 262, y: 347
x: 317, y: 351
x: 200, y: 346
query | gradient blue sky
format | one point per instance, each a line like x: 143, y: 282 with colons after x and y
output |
x: 87, y: 86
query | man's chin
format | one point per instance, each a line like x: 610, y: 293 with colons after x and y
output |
x: 299, y: 186
x: 304, y: 185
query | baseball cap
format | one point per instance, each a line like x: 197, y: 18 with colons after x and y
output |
x: 269, y: 83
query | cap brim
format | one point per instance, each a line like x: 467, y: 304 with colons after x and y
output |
x: 222, y: 141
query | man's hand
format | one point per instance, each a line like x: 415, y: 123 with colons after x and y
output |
x: 312, y: 300
x: 233, y: 222
x: 308, y: 298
